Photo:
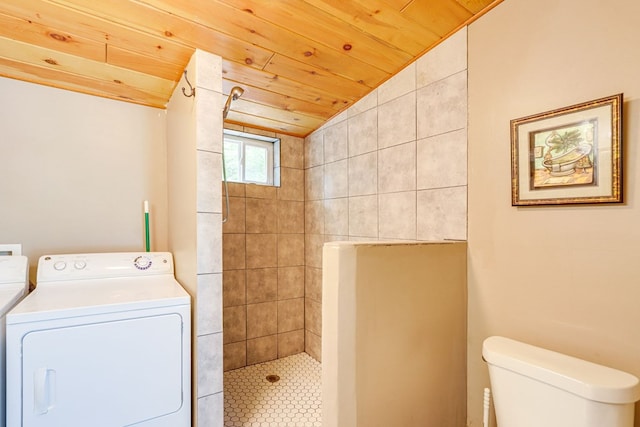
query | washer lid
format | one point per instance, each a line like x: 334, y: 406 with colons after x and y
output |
x: 10, y: 294
x: 14, y: 269
x: 84, y: 298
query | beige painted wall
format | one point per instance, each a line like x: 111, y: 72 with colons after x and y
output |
x: 559, y: 277
x: 75, y: 170
x: 394, y: 335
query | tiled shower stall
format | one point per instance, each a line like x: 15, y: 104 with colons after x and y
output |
x: 263, y: 259
x: 391, y: 167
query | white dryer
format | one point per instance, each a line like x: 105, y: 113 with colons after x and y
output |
x: 103, y: 341
x: 14, y: 284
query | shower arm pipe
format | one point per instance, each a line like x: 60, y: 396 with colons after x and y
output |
x: 236, y: 92
x: 226, y: 188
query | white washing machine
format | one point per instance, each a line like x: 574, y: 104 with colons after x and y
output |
x: 103, y: 341
x: 14, y: 284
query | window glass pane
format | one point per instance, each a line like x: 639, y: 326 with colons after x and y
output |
x: 232, y: 160
x: 255, y: 163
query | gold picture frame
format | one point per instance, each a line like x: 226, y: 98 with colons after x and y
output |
x: 571, y: 155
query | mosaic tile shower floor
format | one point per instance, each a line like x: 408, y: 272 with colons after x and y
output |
x: 250, y: 400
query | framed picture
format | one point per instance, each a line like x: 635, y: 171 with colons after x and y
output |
x: 567, y: 156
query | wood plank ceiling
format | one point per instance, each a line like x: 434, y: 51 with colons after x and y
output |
x: 300, y: 61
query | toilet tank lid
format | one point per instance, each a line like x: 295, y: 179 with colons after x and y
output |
x: 580, y: 377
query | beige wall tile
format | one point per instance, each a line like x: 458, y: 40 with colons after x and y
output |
x: 209, y: 242
x: 314, y: 150
x: 291, y: 184
x: 397, y: 215
x: 336, y: 216
x: 363, y: 216
x: 397, y: 168
x: 290, y: 216
x: 235, y: 324
x: 290, y: 343
x: 235, y: 355
x: 290, y: 250
x: 442, y: 106
x: 363, y: 133
x: 235, y: 189
x: 291, y: 282
x: 234, y: 288
x: 262, y: 250
x: 236, y: 221
x: 314, y: 217
x: 314, y: 183
x: 290, y: 315
x: 442, y: 160
x: 313, y: 250
x: 444, y: 60
x: 313, y: 345
x: 262, y: 215
x: 397, y: 121
x: 233, y: 251
x: 256, y: 191
x: 209, y: 304
x: 291, y: 151
x: 336, y: 179
x: 336, y: 142
x: 262, y: 349
x: 262, y: 319
x: 398, y: 85
x: 442, y: 214
x: 313, y: 316
x: 262, y: 285
x: 363, y: 174
x: 209, y: 171
x: 364, y: 104
x: 313, y: 283
x: 210, y: 362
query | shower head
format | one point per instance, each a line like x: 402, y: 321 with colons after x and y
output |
x: 236, y: 92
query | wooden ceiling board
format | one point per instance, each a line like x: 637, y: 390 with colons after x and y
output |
x: 267, y: 124
x: 314, y: 77
x: 93, y: 28
x: 277, y: 84
x: 55, y: 60
x: 142, y: 63
x: 344, y: 38
x: 276, y: 114
x: 77, y: 83
x: 33, y: 33
x: 300, y: 62
x: 441, y: 16
x: 284, y: 102
x: 168, y: 27
x: 375, y: 18
x: 230, y: 20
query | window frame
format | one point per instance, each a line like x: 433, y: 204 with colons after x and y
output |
x: 248, y: 139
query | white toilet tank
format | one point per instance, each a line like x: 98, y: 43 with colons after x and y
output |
x: 534, y: 387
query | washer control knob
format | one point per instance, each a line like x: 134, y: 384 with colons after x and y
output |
x: 80, y: 265
x: 60, y: 265
x: 142, y: 262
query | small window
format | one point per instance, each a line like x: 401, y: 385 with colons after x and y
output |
x: 249, y: 158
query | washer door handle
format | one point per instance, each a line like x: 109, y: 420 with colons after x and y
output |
x: 44, y: 387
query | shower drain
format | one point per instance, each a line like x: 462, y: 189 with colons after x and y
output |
x: 273, y: 378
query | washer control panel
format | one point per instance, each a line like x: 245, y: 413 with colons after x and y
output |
x: 53, y: 268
